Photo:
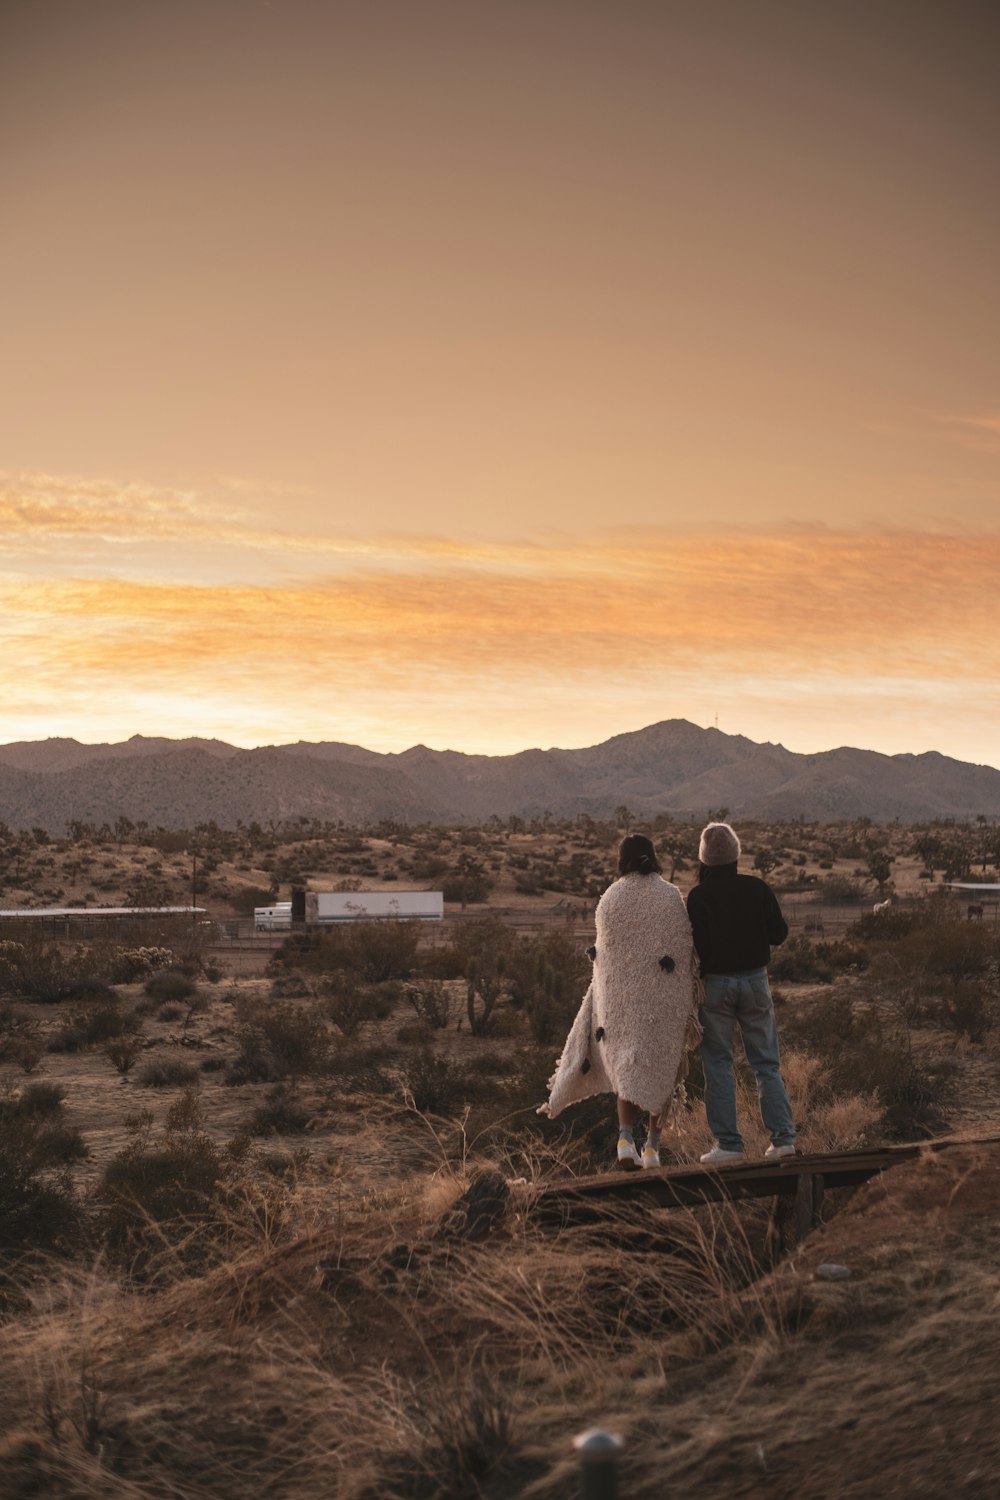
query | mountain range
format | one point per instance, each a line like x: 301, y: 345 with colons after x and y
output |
x: 673, y: 766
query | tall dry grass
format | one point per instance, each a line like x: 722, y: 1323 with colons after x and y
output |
x: 825, y: 1120
x: 356, y: 1349
x: 353, y: 1348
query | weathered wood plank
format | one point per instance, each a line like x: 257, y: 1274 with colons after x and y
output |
x: 688, y: 1186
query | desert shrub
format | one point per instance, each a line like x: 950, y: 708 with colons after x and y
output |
x: 168, y: 1073
x: 156, y: 1191
x: 359, y: 1070
x: 350, y: 1005
x: 431, y: 1000
x: 284, y: 1166
x: 118, y: 964
x: 24, y: 1048
x: 69, y: 1038
x: 942, y: 970
x: 466, y: 883
x: 971, y: 1007
x: 416, y: 1034
x: 868, y: 1051
x: 547, y: 978
x: 437, y: 1085
x: 486, y: 983
x: 463, y: 1447
x: 102, y: 1019
x: 282, y: 1113
x: 277, y: 1042
x: 488, y: 945
x: 36, y: 970
x: 823, y: 1026
x: 170, y: 986
x: 40, y: 1101
x: 11, y: 959
x: 375, y: 951
x: 841, y: 889
x: 484, y: 937
x: 897, y: 922
x: 291, y: 984
x: 37, y: 1207
x: 802, y: 960
x: 91, y: 989
x: 447, y: 962
x: 122, y: 1052
x: 492, y: 1064
x: 797, y: 962
x: 946, y: 948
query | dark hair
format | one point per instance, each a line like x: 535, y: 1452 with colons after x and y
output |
x: 636, y: 854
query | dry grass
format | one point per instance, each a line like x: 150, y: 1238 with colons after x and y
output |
x: 344, y: 1341
x: 357, y: 1351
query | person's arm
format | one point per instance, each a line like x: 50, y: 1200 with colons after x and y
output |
x: 777, y: 927
x: 699, y: 926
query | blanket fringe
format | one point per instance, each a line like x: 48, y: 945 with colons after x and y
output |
x: 670, y: 1119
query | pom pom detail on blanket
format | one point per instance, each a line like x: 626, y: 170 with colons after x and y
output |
x: 631, y: 1032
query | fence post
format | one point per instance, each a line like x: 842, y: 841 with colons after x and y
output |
x: 598, y: 1454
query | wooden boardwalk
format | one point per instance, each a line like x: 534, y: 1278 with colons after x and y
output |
x: 803, y: 1179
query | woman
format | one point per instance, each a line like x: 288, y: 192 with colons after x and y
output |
x: 629, y: 1035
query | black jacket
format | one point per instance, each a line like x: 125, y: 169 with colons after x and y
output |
x: 735, y: 919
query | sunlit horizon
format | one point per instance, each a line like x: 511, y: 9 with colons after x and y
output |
x: 500, y: 377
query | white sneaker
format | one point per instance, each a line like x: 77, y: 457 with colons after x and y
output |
x: 773, y: 1152
x: 650, y: 1157
x: 719, y: 1155
x: 628, y: 1156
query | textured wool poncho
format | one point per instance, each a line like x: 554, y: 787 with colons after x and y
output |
x: 629, y: 1034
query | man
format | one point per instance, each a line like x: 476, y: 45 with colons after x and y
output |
x: 735, y: 920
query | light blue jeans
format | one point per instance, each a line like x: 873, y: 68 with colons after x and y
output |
x: 742, y: 1000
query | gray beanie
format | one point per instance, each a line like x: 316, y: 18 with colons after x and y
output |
x: 719, y: 845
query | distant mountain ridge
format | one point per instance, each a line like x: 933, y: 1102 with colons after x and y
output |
x: 672, y: 766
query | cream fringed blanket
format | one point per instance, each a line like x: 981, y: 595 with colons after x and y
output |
x: 631, y: 1031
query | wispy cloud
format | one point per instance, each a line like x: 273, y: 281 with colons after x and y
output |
x: 262, y: 631
x: 486, y: 646
x: 979, y: 432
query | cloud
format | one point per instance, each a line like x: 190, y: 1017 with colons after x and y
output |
x: 495, y: 646
x: 843, y: 602
x: 980, y: 433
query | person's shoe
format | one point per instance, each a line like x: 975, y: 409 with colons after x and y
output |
x: 628, y: 1156
x: 650, y: 1157
x: 718, y: 1156
x: 774, y: 1152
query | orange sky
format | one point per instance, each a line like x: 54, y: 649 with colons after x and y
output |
x: 501, y: 373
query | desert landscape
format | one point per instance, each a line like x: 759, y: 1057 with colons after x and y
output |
x: 243, y: 1175
x: 451, y: 452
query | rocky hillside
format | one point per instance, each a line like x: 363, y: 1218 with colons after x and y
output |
x: 672, y: 766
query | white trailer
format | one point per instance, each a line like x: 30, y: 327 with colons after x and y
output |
x: 274, y: 918
x: 323, y: 908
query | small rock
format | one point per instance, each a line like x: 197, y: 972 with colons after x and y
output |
x: 830, y: 1271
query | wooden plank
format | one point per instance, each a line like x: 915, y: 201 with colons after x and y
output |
x: 688, y: 1186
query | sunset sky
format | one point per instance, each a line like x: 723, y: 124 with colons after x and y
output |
x: 497, y: 373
